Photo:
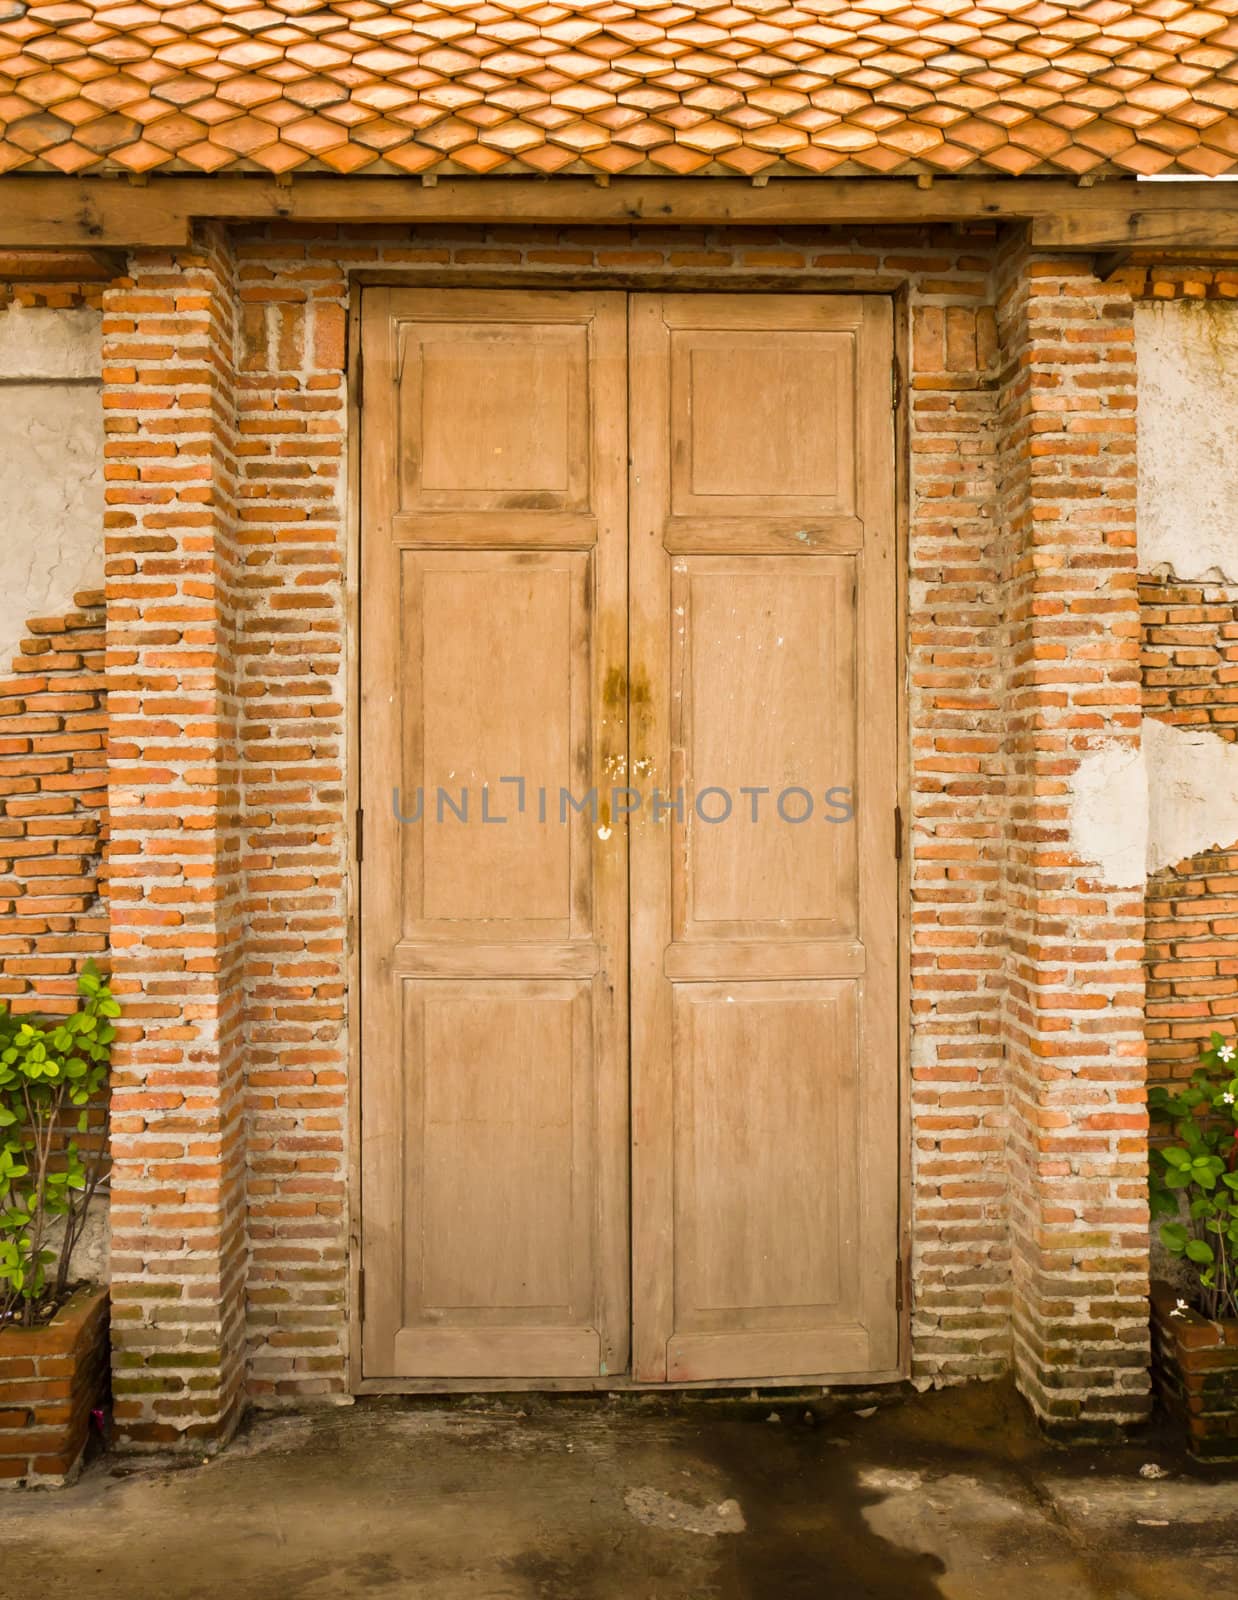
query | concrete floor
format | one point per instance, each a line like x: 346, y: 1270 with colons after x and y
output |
x: 949, y: 1494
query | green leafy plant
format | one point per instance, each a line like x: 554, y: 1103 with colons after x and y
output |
x: 51, y: 1069
x: 1197, y: 1165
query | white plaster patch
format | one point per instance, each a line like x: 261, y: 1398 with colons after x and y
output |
x: 1133, y: 813
x: 1109, y: 814
x: 1187, y: 509
x: 92, y: 1253
x: 51, y: 467
x: 37, y: 342
x: 1192, y: 792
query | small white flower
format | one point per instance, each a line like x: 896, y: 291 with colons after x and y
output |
x: 1180, y: 1310
x: 1226, y: 1052
x: 1228, y: 1098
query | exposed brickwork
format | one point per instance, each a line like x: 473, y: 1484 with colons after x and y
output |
x: 960, y: 1242
x: 20, y: 291
x: 290, y: 652
x: 1148, y: 279
x: 53, y: 809
x: 1074, y: 1001
x: 50, y: 1378
x: 1196, y: 1366
x: 1190, y: 654
x: 1190, y: 680
x: 178, y: 1193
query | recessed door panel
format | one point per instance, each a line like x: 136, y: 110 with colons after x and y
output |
x: 499, y: 1229
x: 481, y: 711
x: 764, y: 851
x: 494, y: 416
x: 765, y: 1096
x: 732, y: 451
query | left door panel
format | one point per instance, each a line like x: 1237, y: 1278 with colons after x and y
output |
x: 493, y: 891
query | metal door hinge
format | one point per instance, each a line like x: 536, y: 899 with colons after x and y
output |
x: 898, y: 833
x: 896, y: 384
x: 359, y: 822
x: 361, y: 1295
x: 898, y: 1283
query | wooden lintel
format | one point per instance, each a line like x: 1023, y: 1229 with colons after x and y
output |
x: 1169, y: 227
x: 60, y: 266
x: 44, y: 212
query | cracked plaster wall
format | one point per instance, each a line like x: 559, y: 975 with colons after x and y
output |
x: 51, y: 464
x: 1135, y: 813
x: 1187, y: 352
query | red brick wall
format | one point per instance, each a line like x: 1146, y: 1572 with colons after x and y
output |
x: 291, y: 683
x: 1190, y: 680
x: 53, y: 809
x: 1074, y: 993
x: 960, y: 1230
x: 26, y: 291
x: 1147, y: 279
x: 177, y: 914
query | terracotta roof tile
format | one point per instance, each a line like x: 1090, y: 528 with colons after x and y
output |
x: 404, y: 86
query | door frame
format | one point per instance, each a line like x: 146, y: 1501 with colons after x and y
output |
x: 896, y: 289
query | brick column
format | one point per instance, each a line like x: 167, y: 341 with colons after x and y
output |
x: 178, y: 1201
x: 1074, y: 1001
x: 960, y: 1230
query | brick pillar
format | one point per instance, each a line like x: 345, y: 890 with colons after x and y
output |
x: 960, y: 1229
x: 178, y: 1200
x: 1074, y: 1002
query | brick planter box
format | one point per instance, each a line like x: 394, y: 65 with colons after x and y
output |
x: 1195, y: 1365
x: 50, y: 1379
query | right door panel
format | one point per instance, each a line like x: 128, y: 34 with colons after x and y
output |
x: 763, y: 653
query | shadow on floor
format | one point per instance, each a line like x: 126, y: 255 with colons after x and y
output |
x: 943, y: 1496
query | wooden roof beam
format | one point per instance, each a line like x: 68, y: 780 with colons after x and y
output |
x: 1172, y: 227
x: 43, y: 212
x: 60, y: 266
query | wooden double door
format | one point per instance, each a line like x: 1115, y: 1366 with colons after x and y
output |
x: 629, y: 1001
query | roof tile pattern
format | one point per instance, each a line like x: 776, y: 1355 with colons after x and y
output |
x: 620, y: 86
